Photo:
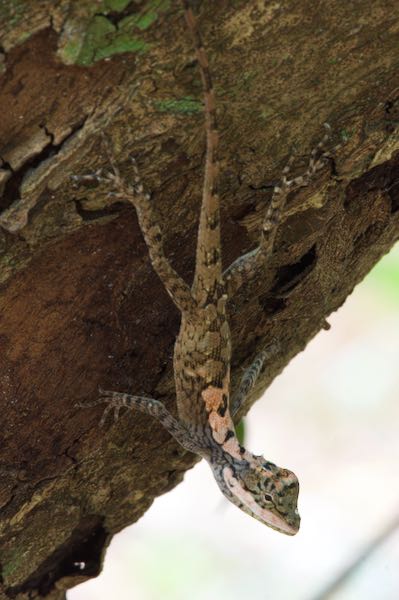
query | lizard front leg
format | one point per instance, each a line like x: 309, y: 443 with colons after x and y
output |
x: 250, y: 377
x: 155, y: 408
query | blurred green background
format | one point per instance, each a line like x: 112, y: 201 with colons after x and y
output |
x: 332, y: 417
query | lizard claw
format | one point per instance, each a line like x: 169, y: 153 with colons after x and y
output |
x: 96, y: 176
x: 107, y: 409
x: 87, y: 404
x: 113, y: 403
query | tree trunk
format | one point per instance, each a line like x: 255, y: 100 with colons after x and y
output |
x: 80, y: 305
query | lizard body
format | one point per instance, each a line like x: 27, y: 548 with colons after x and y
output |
x: 203, y: 348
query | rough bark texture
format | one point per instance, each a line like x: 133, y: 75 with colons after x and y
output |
x: 80, y: 305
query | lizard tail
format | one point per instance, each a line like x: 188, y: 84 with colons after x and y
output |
x: 207, y: 283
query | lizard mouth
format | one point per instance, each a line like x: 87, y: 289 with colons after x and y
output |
x: 248, y: 503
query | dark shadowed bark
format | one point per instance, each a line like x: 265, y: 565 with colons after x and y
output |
x: 80, y: 305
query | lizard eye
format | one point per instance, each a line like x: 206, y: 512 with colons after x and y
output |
x: 268, y: 498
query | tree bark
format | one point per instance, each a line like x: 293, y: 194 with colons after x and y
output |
x: 80, y: 305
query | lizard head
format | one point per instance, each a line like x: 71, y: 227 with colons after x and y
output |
x: 263, y: 490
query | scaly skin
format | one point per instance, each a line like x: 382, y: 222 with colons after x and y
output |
x: 203, y: 346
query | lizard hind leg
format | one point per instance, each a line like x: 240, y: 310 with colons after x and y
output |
x: 247, y: 267
x: 135, y: 194
x: 316, y: 161
x: 275, y: 209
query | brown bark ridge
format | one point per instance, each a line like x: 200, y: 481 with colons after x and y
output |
x: 80, y: 305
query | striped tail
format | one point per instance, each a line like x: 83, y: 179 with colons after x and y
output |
x: 207, y: 285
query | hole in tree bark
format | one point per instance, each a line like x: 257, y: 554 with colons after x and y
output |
x: 81, y: 554
x: 289, y: 276
x: 382, y: 178
x: 272, y: 306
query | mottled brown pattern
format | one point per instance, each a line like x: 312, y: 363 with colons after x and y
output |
x: 203, y: 346
x: 80, y: 305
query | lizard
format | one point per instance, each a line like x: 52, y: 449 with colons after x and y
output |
x: 202, y: 351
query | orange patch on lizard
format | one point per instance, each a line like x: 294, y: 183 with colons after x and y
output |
x: 213, y: 398
x: 232, y: 447
x: 219, y: 426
